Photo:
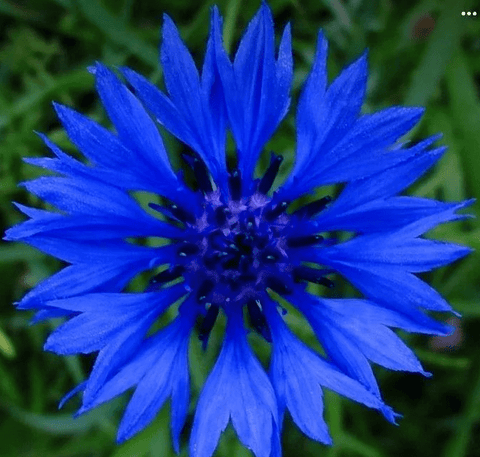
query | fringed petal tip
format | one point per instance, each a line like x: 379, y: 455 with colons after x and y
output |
x: 390, y: 415
x: 80, y: 387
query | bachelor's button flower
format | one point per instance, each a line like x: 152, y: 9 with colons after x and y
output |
x: 234, y: 243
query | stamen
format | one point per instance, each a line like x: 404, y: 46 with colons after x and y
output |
x: 313, y: 275
x: 167, y: 275
x: 244, y: 264
x: 313, y: 208
x: 187, y: 248
x: 232, y: 263
x: 211, y: 261
x: 244, y: 242
x: 207, y: 325
x: 270, y: 256
x: 180, y: 214
x: 273, y: 213
x: 269, y: 177
x: 235, y: 184
x: 250, y: 223
x: 258, y: 320
x: 163, y: 210
x: 248, y: 277
x: 216, y: 239
x: 277, y: 285
x: 261, y: 241
x: 221, y: 215
x: 204, y: 290
x: 304, y: 241
x: 200, y: 171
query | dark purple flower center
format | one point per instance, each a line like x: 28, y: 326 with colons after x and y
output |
x: 235, y: 250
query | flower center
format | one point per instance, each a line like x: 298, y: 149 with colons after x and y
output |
x: 235, y: 250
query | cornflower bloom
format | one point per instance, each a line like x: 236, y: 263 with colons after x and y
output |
x: 236, y: 245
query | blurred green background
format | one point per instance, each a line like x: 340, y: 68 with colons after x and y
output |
x: 420, y: 53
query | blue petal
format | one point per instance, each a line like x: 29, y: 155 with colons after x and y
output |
x: 160, y: 357
x: 204, y: 120
x: 94, y: 328
x: 109, y: 151
x: 48, y: 313
x: 298, y: 375
x: 392, y: 180
x: 116, y: 352
x: 324, y: 116
x: 124, y: 302
x: 332, y: 144
x: 134, y: 126
x: 236, y: 380
x: 358, y: 154
x: 394, y: 287
x: 86, y: 278
x: 86, y: 333
x: 167, y: 375
x: 372, y: 338
x: 345, y: 353
x: 98, y: 252
x: 82, y: 196
x: 296, y: 388
x: 133, y: 370
x: 119, y: 174
x: 413, y: 255
x: 70, y: 394
x: 103, y: 226
x: 208, y: 139
x: 381, y: 215
x: 256, y: 87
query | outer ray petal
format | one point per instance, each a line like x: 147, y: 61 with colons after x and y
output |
x: 105, y: 225
x: 333, y: 143
x: 83, y: 278
x: 97, y: 252
x: 167, y: 376
x: 238, y: 377
x: 158, y: 369
x: 256, y: 87
x: 400, y: 248
x: 350, y: 337
x: 109, y: 151
x: 298, y: 375
x: 97, y: 324
x: 120, y: 175
x: 381, y: 215
x: 193, y: 113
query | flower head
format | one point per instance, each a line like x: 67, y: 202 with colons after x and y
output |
x: 234, y: 243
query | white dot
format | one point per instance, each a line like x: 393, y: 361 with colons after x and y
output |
x: 474, y: 13
x: 463, y: 13
x: 468, y: 13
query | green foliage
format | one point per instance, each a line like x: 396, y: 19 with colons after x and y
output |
x: 420, y: 53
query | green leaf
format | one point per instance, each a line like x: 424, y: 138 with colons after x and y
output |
x: 141, y: 445
x: 443, y: 43
x: 465, y: 116
x: 115, y: 31
x: 6, y: 346
x: 350, y: 443
x: 462, y: 435
x: 443, y: 360
x: 64, y: 423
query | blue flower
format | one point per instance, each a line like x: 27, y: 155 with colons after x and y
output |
x: 235, y: 245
